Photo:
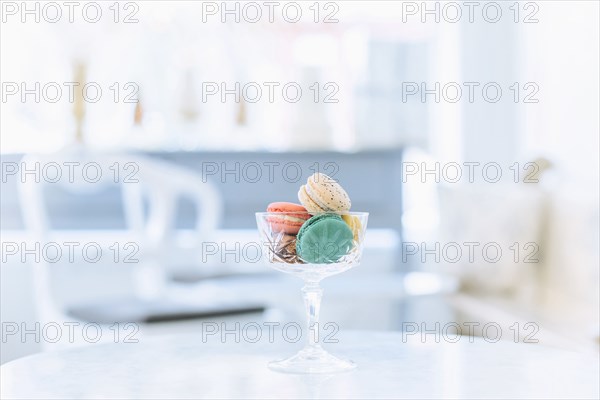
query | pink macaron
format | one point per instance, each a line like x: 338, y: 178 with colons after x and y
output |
x: 291, y: 219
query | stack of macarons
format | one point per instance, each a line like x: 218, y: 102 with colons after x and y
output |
x: 313, y: 231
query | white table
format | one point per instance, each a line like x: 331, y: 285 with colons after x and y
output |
x: 182, y: 366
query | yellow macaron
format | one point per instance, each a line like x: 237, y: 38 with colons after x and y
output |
x: 354, y: 224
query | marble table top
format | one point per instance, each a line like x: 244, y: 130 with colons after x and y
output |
x: 389, y: 366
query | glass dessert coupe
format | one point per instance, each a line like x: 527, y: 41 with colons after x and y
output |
x: 323, y: 250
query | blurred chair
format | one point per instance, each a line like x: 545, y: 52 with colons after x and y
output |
x: 150, y: 196
x: 161, y: 187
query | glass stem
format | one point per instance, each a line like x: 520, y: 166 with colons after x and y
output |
x: 312, y: 300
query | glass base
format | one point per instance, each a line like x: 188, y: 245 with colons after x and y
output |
x: 312, y: 360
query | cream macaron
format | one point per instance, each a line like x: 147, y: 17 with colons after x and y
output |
x: 322, y: 193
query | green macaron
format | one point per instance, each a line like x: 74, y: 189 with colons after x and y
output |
x: 324, y: 239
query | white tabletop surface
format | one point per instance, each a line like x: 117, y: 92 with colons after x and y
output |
x: 182, y: 366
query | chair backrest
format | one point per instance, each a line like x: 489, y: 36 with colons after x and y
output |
x: 143, y: 180
x: 76, y: 172
x: 163, y: 184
